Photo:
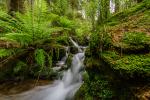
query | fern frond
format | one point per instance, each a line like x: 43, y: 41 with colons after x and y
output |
x: 19, y: 67
x: 4, y: 15
x: 50, y: 61
x: 6, y: 52
x: 66, y: 23
x: 22, y: 38
x: 6, y: 27
x: 40, y: 57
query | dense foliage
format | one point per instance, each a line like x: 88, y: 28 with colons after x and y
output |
x: 35, y: 35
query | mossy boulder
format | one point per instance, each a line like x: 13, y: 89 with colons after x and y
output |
x: 134, y: 42
x: 129, y: 66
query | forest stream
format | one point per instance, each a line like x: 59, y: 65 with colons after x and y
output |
x: 61, y: 89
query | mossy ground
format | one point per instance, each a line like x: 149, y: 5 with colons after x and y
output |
x: 134, y: 65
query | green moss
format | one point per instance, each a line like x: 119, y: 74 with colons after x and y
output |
x: 110, y: 55
x: 134, y: 63
x: 90, y: 62
x: 144, y: 21
x: 95, y: 89
x: 129, y: 64
x: 135, y: 42
x: 147, y: 3
x: 100, y: 88
x: 136, y: 39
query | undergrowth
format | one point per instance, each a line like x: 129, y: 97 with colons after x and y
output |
x: 34, y: 38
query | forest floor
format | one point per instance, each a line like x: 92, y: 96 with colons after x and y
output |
x: 143, y: 92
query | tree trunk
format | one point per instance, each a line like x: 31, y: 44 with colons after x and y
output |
x: 48, y: 2
x: 138, y: 1
x: 16, y: 6
x: 74, y: 4
x: 117, y: 5
x: 31, y: 4
x: 104, y: 11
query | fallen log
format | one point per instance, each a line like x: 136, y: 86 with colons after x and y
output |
x: 8, y: 44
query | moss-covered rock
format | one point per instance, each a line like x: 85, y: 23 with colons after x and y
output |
x: 134, y: 42
x: 129, y: 66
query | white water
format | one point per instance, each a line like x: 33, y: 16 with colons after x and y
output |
x: 76, y: 45
x: 62, y: 63
x: 63, y: 89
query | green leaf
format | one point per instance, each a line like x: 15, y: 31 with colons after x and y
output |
x: 40, y: 57
x: 22, y: 38
x: 5, y: 52
x: 20, y: 66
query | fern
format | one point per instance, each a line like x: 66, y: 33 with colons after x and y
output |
x: 49, y: 58
x: 22, y: 38
x: 27, y: 29
x: 38, y: 24
x: 8, y: 23
x: 6, y: 52
x: 22, y: 23
x: 19, y: 67
x: 6, y: 27
x: 40, y: 57
x: 66, y: 23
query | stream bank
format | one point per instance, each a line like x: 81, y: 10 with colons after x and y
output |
x: 11, y: 88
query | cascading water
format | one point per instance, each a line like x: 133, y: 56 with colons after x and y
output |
x: 63, y: 89
x: 62, y: 63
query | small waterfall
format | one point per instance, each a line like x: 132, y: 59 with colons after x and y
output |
x: 62, y: 63
x: 63, y: 89
x: 76, y: 45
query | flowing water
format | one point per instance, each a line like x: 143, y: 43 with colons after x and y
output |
x: 61, y: 89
